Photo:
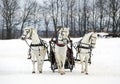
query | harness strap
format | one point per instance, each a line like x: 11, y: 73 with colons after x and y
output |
x: 60, y: 45
x: 84, y: 47
x: 35, y: 45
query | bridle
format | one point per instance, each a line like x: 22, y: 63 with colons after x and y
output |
x: 89, y: 46
x: 63, y: 39
x: 42, y: 43
x: 27, y: 32
x: 90, y: 38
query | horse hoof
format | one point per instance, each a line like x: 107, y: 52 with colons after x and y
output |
x: 28, y: 58
x: 33, y: 72
x: 86, y: 73
x: 62, y: 73
x: 82, y: 71
x: 89, y: 62
x: 40, y: 71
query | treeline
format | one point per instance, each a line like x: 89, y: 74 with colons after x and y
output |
x: 80, y: 16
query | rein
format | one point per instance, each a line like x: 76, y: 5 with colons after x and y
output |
x: 27, y: 43
x: 35, y: 45
x: 27, y: 34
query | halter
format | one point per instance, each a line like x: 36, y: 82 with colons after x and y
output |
x: 42, y: 43
x: 90, y: 39
x: 89, y: 45
x: 28, y: 33
x: 63, y: 39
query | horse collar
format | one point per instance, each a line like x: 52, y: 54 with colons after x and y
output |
x: 35, y: 45
x: 60, y: 45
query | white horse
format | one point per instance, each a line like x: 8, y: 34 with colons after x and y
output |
x: 38, y: 47
x: 61, y: 49
x: 85, y: 45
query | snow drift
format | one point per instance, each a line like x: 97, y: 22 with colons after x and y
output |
x: 16, y: 69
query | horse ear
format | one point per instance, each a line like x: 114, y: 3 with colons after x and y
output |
x: 68, y: 29
x: 34, y: 29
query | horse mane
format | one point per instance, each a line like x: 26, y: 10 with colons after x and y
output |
x: 86, y: 37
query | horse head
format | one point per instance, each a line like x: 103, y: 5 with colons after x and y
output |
x: 90, y: 39
x: 27, y: 33
x: 63, y: 34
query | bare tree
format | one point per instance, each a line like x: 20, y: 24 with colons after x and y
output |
x: 46, y: 16
x: 54, y: 11
x: 61, y: 12
x: 9, y: 8
x: 72, y: 4
x: 93, y: 24
x: 27, y: 11
x: 114, y: 6
x: 101, y: 6
x: 85, y: 15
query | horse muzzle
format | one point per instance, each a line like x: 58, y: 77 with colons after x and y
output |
x: 22, y: 38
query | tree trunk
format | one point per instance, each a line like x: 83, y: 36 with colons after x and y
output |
x: 85, y: 16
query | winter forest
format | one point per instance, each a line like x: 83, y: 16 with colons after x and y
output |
x: 81, y: 16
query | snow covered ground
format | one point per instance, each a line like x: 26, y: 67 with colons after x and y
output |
x: 15, y: 68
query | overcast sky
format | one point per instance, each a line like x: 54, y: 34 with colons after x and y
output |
x: 39, y: 1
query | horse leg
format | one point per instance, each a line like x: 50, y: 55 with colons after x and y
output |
x: 86, y: 64
x: 62, y: 66
x: 58, y: 62
x: 59, y: 66
x: 33, y: 62
x: 89, y: 60
x: 62, y: 71
x: 40, y: 59
x: 40, y: 66
x: 82, y: 63
x: 40, y: 63
x: 82, y: 67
